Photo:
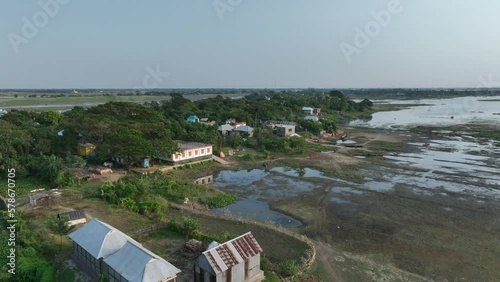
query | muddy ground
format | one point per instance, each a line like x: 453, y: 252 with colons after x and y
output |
x: 396, y: 220
x: 438, y: 234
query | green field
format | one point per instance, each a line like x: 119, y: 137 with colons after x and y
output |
x: 62, y: 103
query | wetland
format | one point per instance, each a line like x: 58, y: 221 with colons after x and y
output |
x: 427, y: 206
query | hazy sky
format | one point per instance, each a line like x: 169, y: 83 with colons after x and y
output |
x: 248, y: 44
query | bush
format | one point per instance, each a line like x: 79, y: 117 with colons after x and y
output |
x: 221, y: 201
x: 190, y: 225
x: 289, y: 268
x: 226, y: 236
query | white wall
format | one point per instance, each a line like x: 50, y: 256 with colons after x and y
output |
x: 77, y: 221
x: 195, y: 153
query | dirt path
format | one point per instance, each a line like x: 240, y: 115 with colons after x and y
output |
x: 220, y: 160
x: 329, y: 258
x: 344, y: 266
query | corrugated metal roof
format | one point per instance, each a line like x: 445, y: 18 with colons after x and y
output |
x: 73, y: 215
x: 185, y: 145
x: 100, y: 239
x: 232, y: 252
x: 225, y: 127
x: 244, y: 128
x: 137, y: 264
x: 315, y: 118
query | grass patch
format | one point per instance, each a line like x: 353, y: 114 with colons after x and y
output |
x: 222, y: 200
x: 271, y: 277
x: 386, y: 146
x: 317, y: 147
x: 362, y: 265
x: 166, y: 233
x: 25, y: 185
x: 277, y: 246
x: 349, y: 175
x: 321, y: 273
x: 248, y: 157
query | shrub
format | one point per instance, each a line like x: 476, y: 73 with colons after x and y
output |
x: 222, y: 200
x: 289, y: 268
x: 190, y: 225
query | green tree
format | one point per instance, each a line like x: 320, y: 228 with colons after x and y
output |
x: 235, y: 140
x: 60, y: 227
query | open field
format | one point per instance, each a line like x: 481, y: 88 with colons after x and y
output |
x: 63, y: 103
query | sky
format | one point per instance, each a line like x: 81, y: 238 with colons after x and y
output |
x: 248, y: 44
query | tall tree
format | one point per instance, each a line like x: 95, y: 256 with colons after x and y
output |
x: 60, y: 227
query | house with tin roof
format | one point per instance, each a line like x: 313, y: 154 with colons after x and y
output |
x: 233, y: 261
x: 74, y: 217
x: 225, y: 129
x: 245, y: 130
x: 101, y: 249
x: 190, y: 152
x: 136, y: 264
x: 307, y: 110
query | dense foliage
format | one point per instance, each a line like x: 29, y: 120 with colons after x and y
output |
x: 34, y: 253
x: 149, y: 195
x: 43, y: 144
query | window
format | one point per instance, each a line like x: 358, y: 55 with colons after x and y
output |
x: 202, y: 151
x: 190, y: 153
x: 208, y: 150
x: 196, y: 153
x: 183, y: 155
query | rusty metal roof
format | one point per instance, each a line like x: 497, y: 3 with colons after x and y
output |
x: 232, y: 252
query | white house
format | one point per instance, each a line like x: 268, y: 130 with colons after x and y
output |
x: 307, y: 110
x: 190, y: 152
x: 99, y: 248
x: 236, y: 260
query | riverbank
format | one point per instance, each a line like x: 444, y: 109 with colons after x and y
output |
x: 422, y: 204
